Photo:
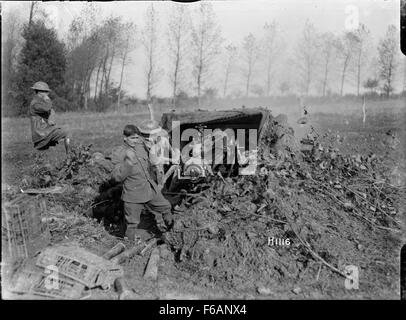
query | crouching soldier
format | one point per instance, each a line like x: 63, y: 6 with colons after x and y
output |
x: 45, y: 133
x: 139, y: 189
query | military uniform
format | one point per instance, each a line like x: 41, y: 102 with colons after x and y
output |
x: 140, y: 191
x: 44, y: 132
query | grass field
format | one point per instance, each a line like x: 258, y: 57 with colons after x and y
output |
x: 103, y: 131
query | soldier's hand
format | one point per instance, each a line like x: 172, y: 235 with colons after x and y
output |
x: 162, y: 227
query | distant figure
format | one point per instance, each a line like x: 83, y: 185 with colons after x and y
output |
x: 45, y: 133
x: 303, y: 113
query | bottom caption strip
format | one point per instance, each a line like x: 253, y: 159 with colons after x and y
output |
x: 205, y: 309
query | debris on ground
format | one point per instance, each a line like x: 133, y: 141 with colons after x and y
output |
x: 64, y: 271
x: 33, y: 284
x: 151, y: 271
x: 24, y: 230
x: 115, y: 251
x: 124, y: 293
x: 80, y: 265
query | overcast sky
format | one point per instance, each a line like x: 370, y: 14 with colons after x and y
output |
x: 237, y: 19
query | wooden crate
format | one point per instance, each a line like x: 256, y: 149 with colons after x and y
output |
x: 23, y: 232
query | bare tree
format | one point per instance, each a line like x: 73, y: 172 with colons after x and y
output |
x: 126, y: 46
x: 327, y: 49
x: 345, y: 51
x: 32, y: 12
x: 112, y: 31
x: 271, y: 47
x: 84, y: 46
x: 12, y: 40
x: 307, y: 57
x: 178, y: 37
x: 361, y: 36
x: 206, y: 40
x: 150, y: 42
x: 388, y: 58
x: 231, y: 53
x: 250, y: 56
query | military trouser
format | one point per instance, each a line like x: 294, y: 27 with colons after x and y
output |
x: 158, y: 206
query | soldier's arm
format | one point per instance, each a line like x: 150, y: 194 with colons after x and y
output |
x: 51, y: 118
x: 124, y: 169
x: 42, y: 107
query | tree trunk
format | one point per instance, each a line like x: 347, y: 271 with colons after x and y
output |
x: 248, y: 84
x: 388, y: 89
x: 121, y: 78
x: 343, y: 76
x: 308, y: 79
x: 87, y: 88
x: 97, y: 80
x: 226, y: 81
x: 149, y: 83
x: 325, y: 78
x: 31, y: 13
x: 198, y: 86
x: 268, y: 79
x: 268, y: 84
x: 248, y: 77
x: 200, y: 68
x: 110, y: 67
x: 175, y: 82
x: 342, y: 83
x: 177, y: 63
x: 103, y: 78
x: 358, y: 72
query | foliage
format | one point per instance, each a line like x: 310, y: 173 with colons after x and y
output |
x: 371, y: 84
x: 42, y: 58
x: 387, y: 61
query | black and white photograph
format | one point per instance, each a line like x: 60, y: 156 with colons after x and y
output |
x: 230, y: 150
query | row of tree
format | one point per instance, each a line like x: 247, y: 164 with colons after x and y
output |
x: 350, y: 53
x: 88, y: 66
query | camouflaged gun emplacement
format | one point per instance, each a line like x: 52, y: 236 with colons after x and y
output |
x: 226, y: 143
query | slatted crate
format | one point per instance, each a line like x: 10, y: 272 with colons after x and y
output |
x: 23, y: 232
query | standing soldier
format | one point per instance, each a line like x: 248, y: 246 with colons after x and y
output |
x: 151, y: 132
x: 139, y: 189
x: 159, y: 148
x: 45, y: 133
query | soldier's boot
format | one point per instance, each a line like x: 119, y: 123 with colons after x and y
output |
x: 136, y: 235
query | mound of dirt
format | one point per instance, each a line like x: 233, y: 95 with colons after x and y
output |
x: 329, y: 205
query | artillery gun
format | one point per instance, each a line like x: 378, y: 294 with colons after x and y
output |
x: 211, y: 143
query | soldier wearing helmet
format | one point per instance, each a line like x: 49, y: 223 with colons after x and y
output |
x: 159, y: 147
x: 45, y: 133
x: 139, y: 188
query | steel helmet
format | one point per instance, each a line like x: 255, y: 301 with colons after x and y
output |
x: 148, y: 127
x: 40, y: 86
